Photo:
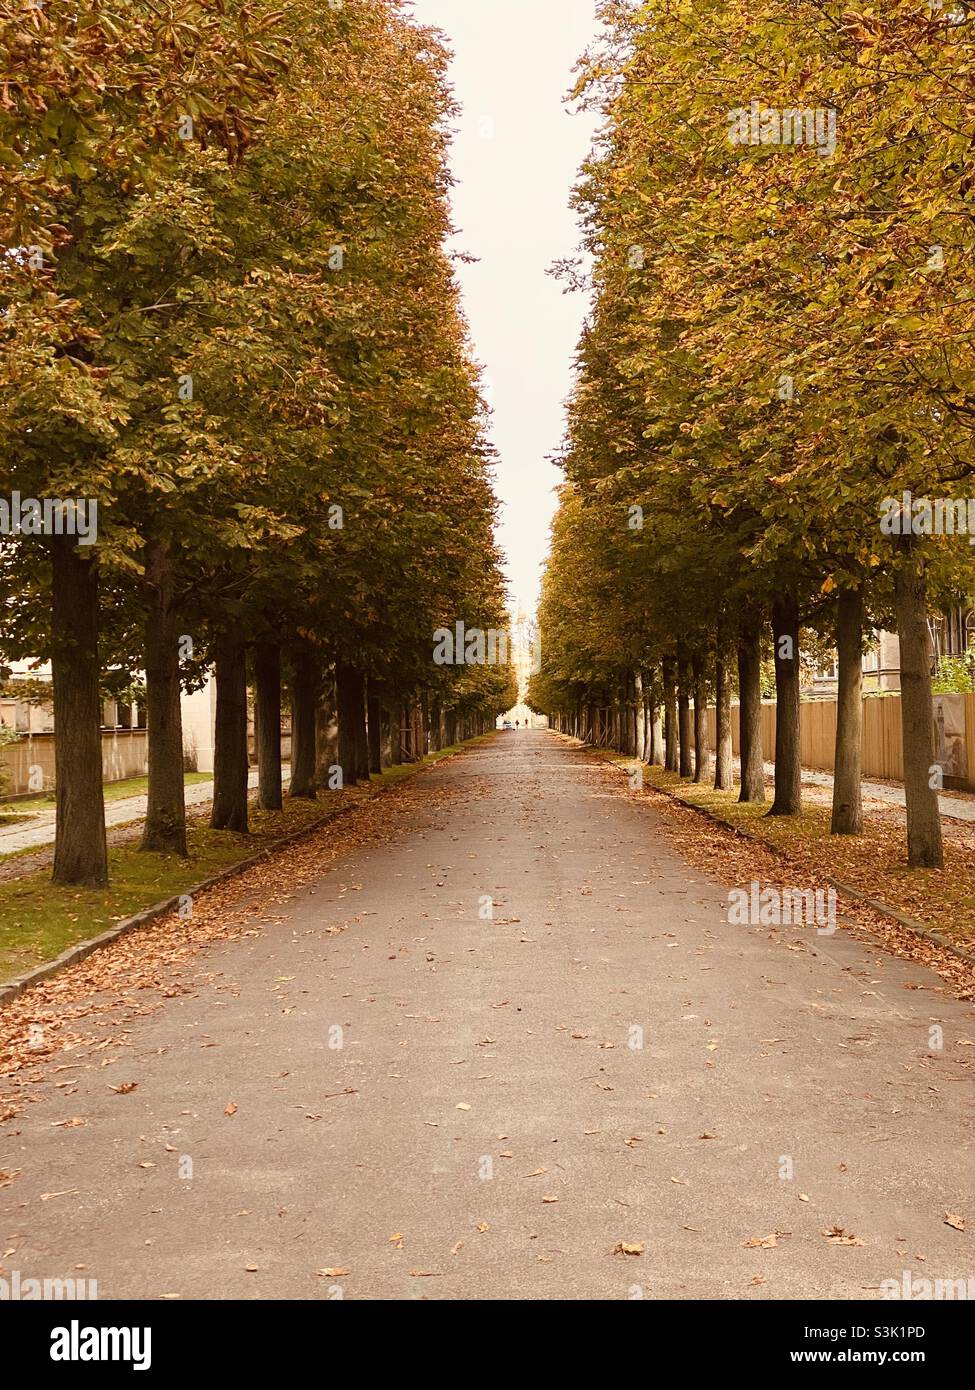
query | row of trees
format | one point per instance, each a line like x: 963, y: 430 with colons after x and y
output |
x: 779, y: 218
x: 229, y: 321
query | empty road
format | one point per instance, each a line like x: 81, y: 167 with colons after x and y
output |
x: 483, y: 1054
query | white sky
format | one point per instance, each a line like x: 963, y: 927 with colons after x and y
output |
x: 516, y: 155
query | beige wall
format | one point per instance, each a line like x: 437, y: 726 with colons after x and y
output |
x: 29, y: 763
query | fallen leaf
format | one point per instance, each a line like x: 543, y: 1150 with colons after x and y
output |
x: 626, y: 1248
x: 230, y: 1108
x: 764, y: 1242
x: 955, y: 1221
x: 837, y: 1236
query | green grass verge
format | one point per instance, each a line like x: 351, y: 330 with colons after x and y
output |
x: 38, y: 920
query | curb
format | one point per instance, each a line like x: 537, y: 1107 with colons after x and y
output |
x: 911, y: 924
x: 82, y: 949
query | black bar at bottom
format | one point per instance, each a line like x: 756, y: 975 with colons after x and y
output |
x: 162, y: 1339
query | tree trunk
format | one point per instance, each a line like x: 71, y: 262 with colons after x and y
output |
x: 656, y: 753
x: 230, y: 740
x: 684, y: 714
x: 421, y: 732
x: 267, y: 721
x: 924, y: 849
x: 724, y: 775
x: 374, y: 716
x: 165, y: 825
x: 396, y: 733
x: 348, y: 709
x: 788, y: 768
x: 361, y: 734
x: 80, y: 850
x: 327, y: 736
x: 304, y: 702
x: 672, y: 757
x: 436, y: 727
x: 635, y: 695
x: 701, y: 756
x: 385, y: 735
x: 750, y: 712
x: 847, y: 802
x: 641, y: 717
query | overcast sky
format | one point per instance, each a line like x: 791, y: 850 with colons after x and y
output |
x: 515, y: 158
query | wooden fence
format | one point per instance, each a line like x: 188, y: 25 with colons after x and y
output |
x: 882, y: 747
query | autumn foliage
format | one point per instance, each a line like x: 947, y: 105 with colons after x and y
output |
x: 229, y: 317
x: 778, y: 215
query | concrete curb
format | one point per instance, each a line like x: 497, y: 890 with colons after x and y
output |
x: 15, y: 987
x: 883, y: 909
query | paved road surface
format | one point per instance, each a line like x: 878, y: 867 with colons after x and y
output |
x: 486, y: 1067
